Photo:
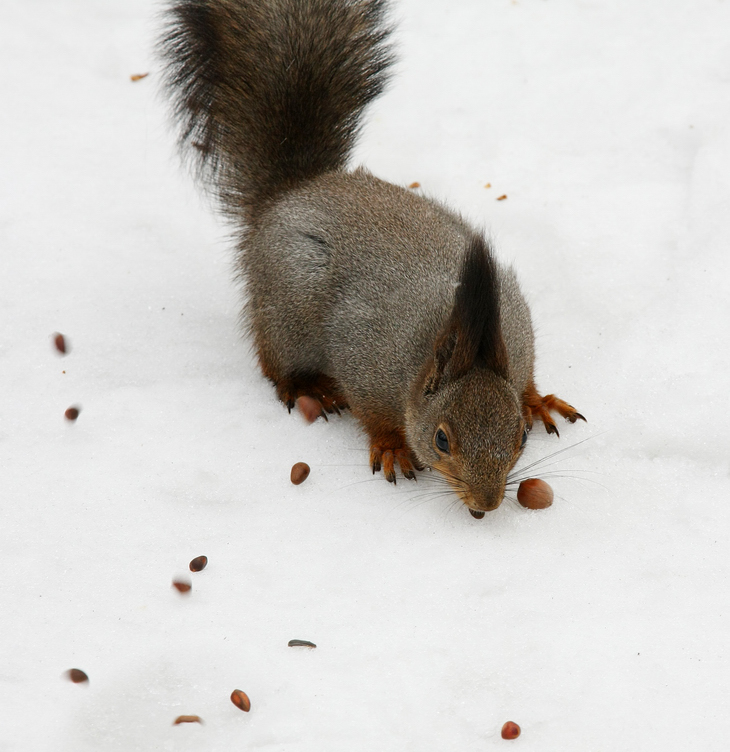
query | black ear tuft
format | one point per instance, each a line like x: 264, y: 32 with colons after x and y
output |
x: 477, y: 314
x: 472, y: 336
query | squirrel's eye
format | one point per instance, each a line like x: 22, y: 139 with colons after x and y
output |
x: 524, y: 439
x: 442, y: 441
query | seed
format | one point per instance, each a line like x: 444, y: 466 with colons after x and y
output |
x: 415, y: 185
x: 138, y: 76
x: 182, y: 585
x: 240, y: 699
x: 309, y: 407
x: 301, y: 644
x: 77, y: 676
x: 72, y: 413
x: 476, y: 513
x: 510, y: 730
x: 502, y: 198
x: 187, y: 719
x: 535, y: 494
x: 60, y: 342
x: 299, y: 473
x: 198, y: 563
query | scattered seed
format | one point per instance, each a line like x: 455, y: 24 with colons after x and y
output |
x: 138, y: 76
x: 240, y: 699
x: 502, y: 197
x: 72, y: 413
x: 476, y: 513
x: 182, y: 586
x: 198, y: 563
x: 415, y: 185
x: 77, y: 676
x: 310, y: 408
x: 187, y: 719
x: 510, y: 730
x: 301, y: 644
x: 60, y: 342
x: 535, y: 494
x: 488, y: 185
x: 299, y: 473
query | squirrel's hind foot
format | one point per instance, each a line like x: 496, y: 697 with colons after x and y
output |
x: 322, y: 395
x: 536, y: 406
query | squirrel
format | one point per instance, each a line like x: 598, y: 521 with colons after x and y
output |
x: 359, y: 294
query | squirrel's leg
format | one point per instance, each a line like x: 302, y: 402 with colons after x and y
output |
x: 323, y: 389
x: 536, y: 406
x: 388, y: 446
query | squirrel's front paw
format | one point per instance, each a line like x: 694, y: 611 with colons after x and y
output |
x: 385, y: 459
x: 386, y: 452
x: 539, y: 407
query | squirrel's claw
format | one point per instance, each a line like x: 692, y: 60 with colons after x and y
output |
x: 389, y: 466
x: 385, y: 457
x: 536, y: 406
x: 550, y: 427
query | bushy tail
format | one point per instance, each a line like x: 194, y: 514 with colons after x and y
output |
x: 269, y: 93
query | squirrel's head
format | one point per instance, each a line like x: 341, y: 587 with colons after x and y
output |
x: 464, y: 417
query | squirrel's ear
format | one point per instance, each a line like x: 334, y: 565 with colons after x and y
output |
x: 472, y: 336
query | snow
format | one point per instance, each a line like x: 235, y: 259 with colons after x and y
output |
x: 599, y: 624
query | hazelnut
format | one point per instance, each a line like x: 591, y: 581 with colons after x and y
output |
x: 535, y: 494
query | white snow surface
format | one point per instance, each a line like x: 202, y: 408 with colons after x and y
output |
x: 597, y: 625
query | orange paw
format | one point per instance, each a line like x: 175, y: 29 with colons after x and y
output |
x: 386, y: 451
x: 535, y: 406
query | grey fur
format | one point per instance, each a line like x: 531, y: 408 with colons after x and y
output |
x: 346, y: 275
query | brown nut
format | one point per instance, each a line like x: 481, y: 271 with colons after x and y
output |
x: 198, y: 563
x: 535, y: 494
x: 187, y: 719
x: 60, y: 342
x: 299, y: 473
x: 309, y: 407
x: 72, y: 413
x: 301, y: 644
x: 510, y: 730
x: 77, y: 676
x: 240, y: 699
x: 182, y: 586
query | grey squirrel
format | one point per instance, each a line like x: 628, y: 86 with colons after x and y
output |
x: 360, y: 294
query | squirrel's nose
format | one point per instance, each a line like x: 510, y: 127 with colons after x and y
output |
x: 486, y: 500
